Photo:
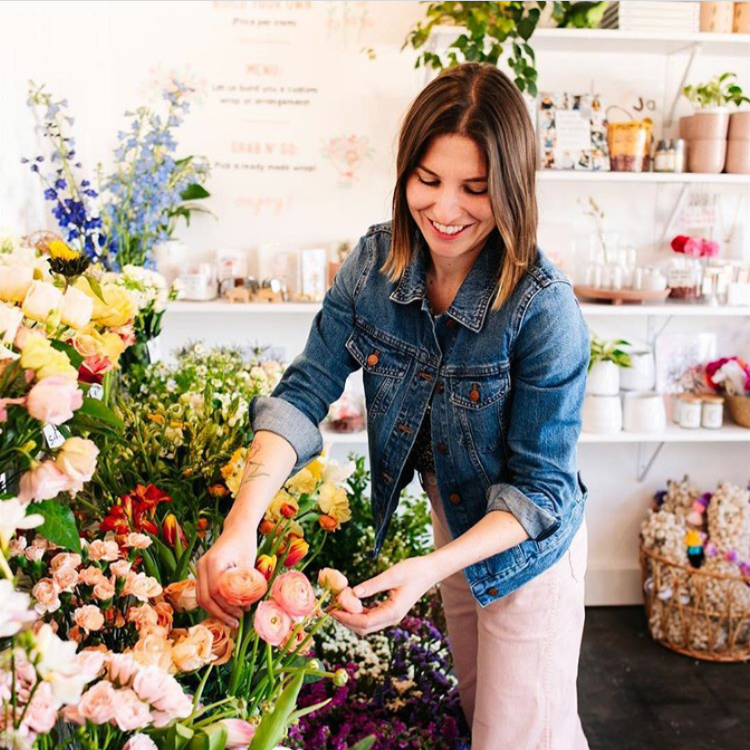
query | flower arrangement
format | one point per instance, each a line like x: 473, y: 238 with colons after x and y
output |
x: 729, y: 376
x: 695, y: 247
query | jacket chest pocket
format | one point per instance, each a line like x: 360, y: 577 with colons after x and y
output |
x: 478, y: 405
x: 383, y: 370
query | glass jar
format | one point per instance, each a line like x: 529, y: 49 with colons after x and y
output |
x: 684, y: 278
x: 712, y: 413
x: 691, y: 411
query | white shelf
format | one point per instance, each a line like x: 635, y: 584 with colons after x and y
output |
x: 682, y: 310
x: 613, y: 41
x: 653, y: 178
x: 729, y: 433
x: 188, y: 307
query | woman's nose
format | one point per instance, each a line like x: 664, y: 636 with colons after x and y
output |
x: 447, y: 208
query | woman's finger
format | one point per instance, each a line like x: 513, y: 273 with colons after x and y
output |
x: 383, y: 582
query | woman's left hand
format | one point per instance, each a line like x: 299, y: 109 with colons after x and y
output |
x: 406, y: 581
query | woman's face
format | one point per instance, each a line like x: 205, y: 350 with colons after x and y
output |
x: 447, y: 197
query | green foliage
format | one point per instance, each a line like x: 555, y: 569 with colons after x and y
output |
x: 717, y: 92
x: 59, y: 524
x: 408, y: 535
x: 581, y: 15
x: 609, y: 351
x: 485, y: 27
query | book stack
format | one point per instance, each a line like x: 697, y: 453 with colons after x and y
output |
x: 675, y: 17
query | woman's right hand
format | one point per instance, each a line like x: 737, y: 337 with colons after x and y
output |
x: 231, y: 550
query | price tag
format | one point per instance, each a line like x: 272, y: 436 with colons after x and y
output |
x: 96, y: 391
x: 154, y: 349
x: 52, y: 436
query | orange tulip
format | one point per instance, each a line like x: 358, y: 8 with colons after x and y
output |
x: 266, y: 564
x: 298, y: 548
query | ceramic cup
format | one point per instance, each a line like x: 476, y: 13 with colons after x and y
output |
x: 602, y: 414
x: 603, y: 379
x: 643, y: 412
x: 641, y: 376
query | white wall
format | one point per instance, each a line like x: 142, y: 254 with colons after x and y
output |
x: 106, y: 57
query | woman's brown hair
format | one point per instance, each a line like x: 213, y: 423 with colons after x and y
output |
x: 480, y: 102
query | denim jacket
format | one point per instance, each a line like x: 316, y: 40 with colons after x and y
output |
x: 506, y: 389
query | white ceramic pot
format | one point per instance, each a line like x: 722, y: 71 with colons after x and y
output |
x: 644, y: 412
x: 602, y: 414
x: 603, y: 379
x: 641, y: 376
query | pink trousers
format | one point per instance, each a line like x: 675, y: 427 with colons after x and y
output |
x: 517, y: 658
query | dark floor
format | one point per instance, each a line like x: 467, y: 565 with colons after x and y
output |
x: 637, y: 695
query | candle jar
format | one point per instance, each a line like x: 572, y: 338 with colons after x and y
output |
x: 690, y: 411
x: 712, y: 412
x: 684, y: 276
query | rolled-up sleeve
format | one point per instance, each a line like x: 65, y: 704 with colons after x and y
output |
x: 548, y: 381
x: 317, y: 376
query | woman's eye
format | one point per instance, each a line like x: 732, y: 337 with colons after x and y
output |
x: 476, y: 192
x: 434, y: 183
x: 425, y: 182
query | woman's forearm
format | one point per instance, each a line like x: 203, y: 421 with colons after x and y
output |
x: 270, y: 459
x: 495, y: 533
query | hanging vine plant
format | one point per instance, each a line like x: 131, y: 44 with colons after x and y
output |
x: 484, y: 29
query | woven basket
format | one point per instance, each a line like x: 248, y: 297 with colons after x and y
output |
x: 699, y: 614
x: 739, y: 409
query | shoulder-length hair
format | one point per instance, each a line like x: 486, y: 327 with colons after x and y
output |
x: 480, y: 102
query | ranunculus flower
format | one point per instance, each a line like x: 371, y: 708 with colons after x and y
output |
x: 46, y: 595
x: 193, y: 651
x: 77, y: 460
x: 44, y: 482
x: 241, y: 587
x: 271, y: 623
x: 332, y: 579
x: 89, y: 618
x: 240, y: 733
x: 77, y: 308
x: 294, y: 594
x: 181, y: 595
x: 98, y: 703
x: 298, y: 548
x: 140, y: 742
x: 53, y: 400
x: 41, y: 300
x: 10, y: 320
x: 222, y: 644
x: 15, y: 282
x: 349, y: 602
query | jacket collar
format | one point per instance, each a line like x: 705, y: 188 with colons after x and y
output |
x: 469, y: 306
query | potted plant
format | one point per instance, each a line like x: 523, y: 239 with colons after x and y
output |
x: 604, y: 366
x: 706, y: 130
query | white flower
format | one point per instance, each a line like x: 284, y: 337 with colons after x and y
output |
x: 57, y: 663
x: 13, y: 516
x: 14, y: 610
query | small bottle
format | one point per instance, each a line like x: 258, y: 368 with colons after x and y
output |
x: 670, y: 156
x: 679, y: 155
x: 660, y: 157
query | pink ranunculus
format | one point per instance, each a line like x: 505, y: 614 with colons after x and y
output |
x: 349, y: 602
x: 240, y: 733
x: 241, y: 587
x: 140, y: 742
x: 130, y: 711
x: 294, y: 594
x: 65, y: 560
x: 77, y: 460
x: 54, y: 399
x: 332, y: 579
x: 98, y: 703
x: 46, y: 594
x: 89, y: 618
x: 693, y: 247
x: 101, y: 549
x: 43, y: 482
x: 271, y: 622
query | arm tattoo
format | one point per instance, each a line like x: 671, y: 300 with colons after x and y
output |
x: 252, y: 467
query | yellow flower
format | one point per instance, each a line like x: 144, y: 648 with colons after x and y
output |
x: 38, y: 355
x: 281, y: 499
x: 120, y: 308
x: 333, y: 501
x: 58, y: 249
x: 233, y: 470
x: 303, y: 482
x: 316, y: 468
x: 89, y: 342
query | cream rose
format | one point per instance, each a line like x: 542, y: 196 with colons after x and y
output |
x: 10, y: 320
x: 77, y: 308
x: 193, y: 651
x: 41, y: 300
x: 15, y: 282
x: 54, y: 399
x: 181, y: 595
x: 77, y: 460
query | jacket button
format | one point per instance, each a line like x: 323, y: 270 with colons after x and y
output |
x: 440, y: 387
x: 373, y: 359
x: 442, y: 447
x: 492, y: 592
x: 455, y: 498
x: 474, y: 394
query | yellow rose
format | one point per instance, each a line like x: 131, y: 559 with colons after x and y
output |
x: 119, y: 308
x: 90, y: 342
x: 58, y: 364
x: 15, y: 282
x: 334, y: 502
x: 36, y: 352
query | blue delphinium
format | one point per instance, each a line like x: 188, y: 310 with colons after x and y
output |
x: 72, y: 201
x: 147, y: 191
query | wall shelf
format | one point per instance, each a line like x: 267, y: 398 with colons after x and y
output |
x: 653, y: 178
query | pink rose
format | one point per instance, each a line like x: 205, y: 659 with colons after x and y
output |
x: 98, y: 703
x: 43, y: 482
x: 271, y: 622
x: 194, y: 650
x: 349, y: 602
x: 54, y: 399
x: 239, y: 733
x: 332, y: 579
x: 45, y: 592
x: 89, y: 618
x: 130, y: 711
x: 100, y: 549
x: 181, y: 595
x: 65, y: 560
x: 66, y: 578
x: 140, y: 742
x: 294, y: 594
x: 77, y: 460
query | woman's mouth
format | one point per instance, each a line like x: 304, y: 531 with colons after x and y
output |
x: 446, y: 231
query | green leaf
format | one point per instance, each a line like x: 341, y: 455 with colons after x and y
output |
x: 150, y: 565
x: 182, y: 565
x: 73, y: 355
x: 271, y: 728
x: 177, y: 737
x: 96, y: 288
x: 59, y: 524
x: 95, y: 408
x: 165, y: 555
x: 212, y: 737
x: 364, y: 744
x: 194, y: 192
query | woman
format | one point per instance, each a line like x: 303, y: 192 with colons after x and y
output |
x: 474, y: 353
